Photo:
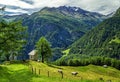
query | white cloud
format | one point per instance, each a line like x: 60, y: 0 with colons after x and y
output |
x: 101, y: 6
x: 16, y: 3
x: 16, y: 11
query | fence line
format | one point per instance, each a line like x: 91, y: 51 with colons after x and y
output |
x: 48, y: 72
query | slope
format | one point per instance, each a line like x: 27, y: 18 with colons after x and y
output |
x: 61, y: 26
x: 22, y: 73
x: 103, y: 40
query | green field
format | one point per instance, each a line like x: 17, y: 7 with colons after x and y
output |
x: 23, y: 73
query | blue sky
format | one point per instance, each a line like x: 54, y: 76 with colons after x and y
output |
x: 30, y: 6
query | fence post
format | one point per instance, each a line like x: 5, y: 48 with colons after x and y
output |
x: 62, y: 75
x: 32, y: 70
x: 39, y: 71
x: 35, y: 70
x: 48, y: 73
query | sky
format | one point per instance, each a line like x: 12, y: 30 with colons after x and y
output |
x: 14, y: 7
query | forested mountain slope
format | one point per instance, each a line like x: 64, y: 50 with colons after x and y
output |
x: 103, y: 40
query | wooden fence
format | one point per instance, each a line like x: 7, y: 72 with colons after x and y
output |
x: 37, y: 71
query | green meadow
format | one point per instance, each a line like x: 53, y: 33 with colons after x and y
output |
x: 22, y: 72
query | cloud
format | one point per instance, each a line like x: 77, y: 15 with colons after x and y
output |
x: 19, y: 3
x: 28, y: 1
x: 50, y: 3
x: 101, y: 6
x: 29, y: 6
x: 17, y: 10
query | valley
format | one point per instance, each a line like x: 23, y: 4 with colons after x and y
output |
x: 59, y: 44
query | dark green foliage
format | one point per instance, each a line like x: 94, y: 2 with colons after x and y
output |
x: 60, y: 30
x: 12, y: 38
x: 103, y: 40
x: 43, y: 49
x: 56, y: 53
x: 96, y: 60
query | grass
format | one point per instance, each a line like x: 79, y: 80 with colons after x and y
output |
x: 116, y: 40
x: 22, y: 73
x: 66, y: 52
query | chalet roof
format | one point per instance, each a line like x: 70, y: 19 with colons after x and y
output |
x: 33, y: 52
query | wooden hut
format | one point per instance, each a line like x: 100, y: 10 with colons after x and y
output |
x: 33, y: 55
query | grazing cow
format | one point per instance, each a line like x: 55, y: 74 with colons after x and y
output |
x: 74, y: 73
x: 60, y: 71
x: 105, y: 66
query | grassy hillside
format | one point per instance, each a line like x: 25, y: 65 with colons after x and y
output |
x: 22, y: 73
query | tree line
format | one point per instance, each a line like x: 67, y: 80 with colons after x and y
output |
x: 97, y: 60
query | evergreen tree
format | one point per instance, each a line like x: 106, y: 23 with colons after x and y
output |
x: 43, y: 49
x: 12, y: 38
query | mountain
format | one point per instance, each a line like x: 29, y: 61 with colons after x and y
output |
x: 61, y: 26
x: 117, y: 14
x: 103, y: 40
